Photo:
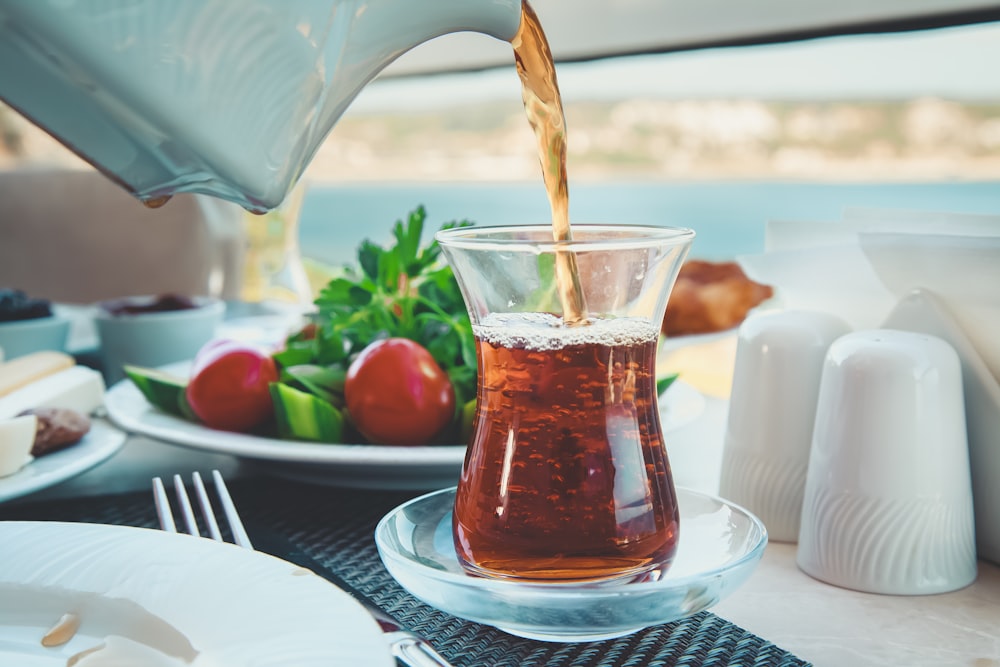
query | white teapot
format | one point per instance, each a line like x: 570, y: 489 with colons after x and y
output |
x: 230, y: 98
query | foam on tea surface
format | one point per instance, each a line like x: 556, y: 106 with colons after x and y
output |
x: 544, y: 331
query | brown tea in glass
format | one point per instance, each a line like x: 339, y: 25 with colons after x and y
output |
x: 567, y: 477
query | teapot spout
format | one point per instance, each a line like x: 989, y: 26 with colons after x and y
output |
x: 383, y: 30
x: 497, y: 18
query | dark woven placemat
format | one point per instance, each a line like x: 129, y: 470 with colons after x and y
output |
x: 336, y: 526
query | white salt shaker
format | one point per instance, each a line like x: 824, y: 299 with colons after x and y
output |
x: 779, y: 360
x: 888, y: 498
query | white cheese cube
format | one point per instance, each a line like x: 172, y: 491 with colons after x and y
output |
x: 17, y: 435
x: 78, y: 388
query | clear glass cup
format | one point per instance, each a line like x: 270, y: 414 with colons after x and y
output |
x: 566, y: 477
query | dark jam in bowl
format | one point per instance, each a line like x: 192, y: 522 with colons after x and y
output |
x: 16, y: 306
x: 164, y: 303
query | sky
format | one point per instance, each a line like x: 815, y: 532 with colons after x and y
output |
x: 958, y: 63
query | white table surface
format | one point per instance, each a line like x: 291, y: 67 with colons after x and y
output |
x: 824, y: 624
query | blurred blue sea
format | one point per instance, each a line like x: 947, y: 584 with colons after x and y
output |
x: 729, y: 217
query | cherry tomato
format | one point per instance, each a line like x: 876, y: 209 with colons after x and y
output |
x: 229, y: 382
x: 396, y: 393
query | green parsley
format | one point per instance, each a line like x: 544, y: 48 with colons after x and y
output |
x: 406, y: 290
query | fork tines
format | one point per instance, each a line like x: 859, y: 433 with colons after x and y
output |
x: 166, y: 516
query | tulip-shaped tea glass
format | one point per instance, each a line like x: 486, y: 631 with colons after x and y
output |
x: 566, y: 477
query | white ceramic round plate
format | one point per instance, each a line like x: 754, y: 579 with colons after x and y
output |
x: 145, y: 597
x: 100, y: 444
x: 352, y: 465
x: 359, y: 466
x: 720, y: 545
x: 672, y: 343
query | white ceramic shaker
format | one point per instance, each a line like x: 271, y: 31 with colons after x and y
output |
x: 779, y: 359
x: 888, y: 498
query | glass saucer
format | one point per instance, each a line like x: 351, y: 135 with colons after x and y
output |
x: 720, y: 544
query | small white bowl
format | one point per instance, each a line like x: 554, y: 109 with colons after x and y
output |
x: 21, y: 337
x: 154, y: 339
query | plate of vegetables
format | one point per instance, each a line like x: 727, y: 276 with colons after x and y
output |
x: 375, y: 391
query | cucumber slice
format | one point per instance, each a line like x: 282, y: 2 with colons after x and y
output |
x: 185, y: 408
x: 164, y: 390
x: 302, y: 416
x: 326, y: 382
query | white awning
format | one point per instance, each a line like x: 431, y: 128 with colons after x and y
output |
x: 590, y: 29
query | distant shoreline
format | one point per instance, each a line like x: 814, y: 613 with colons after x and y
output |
x: 924, y: 139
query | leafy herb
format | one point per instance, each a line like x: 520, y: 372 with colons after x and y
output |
x: 664, y: 383
x: 406, y: 290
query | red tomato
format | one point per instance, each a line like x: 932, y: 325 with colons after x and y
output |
x: 396, y: 393
x: 229, y: 382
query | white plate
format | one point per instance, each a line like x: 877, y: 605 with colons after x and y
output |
x: 672, y: 343
x: 361, y: 466
x: 352, y: 465
x: 680, y: 404
x: 167, y: 600
x: 102, y: 442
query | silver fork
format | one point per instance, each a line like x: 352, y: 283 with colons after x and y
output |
x: 166, y: 516
x: 410, y: 649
